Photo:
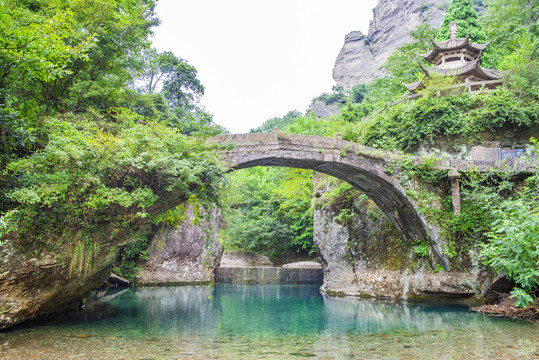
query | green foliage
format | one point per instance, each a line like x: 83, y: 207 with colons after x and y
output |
x: 111, y: 35
x: 180, y: 84
x: 421, y: 250
x: 128, y: 258
x: 268, y: 210
x: 279, y: 123
x: 16, y: 136
x: 514, y: 244
x: 340, y: 96
x: 480, y: 194
x: 354, y: 112
x: 462, y: 11
x: 357, y: 94
x: 403, y: 64
x: 513, y: 25
x: 408, y: 125
x: 523, y: 298
x: 501, y: 219
x: 96, y: 183
x: 33, y: 42
x: 177, y: 102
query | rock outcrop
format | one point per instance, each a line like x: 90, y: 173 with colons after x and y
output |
x: 31, y: 288
x: 363, y: 254
x: 323, y: 110
x: 362, y: 55
x: 187, y: 254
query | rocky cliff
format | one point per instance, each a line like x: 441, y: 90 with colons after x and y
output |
x: 185, y: 255
x: 32, y: 288
x: 363, y: 254
x: 35, y: 287
x: 362, y: 55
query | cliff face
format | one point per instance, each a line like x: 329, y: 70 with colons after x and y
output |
x: 185, y: 255
x: 363, y: 254
x: 362, y: 55
x: 37, y: 287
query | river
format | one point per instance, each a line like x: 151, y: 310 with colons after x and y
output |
x: 268, y: 322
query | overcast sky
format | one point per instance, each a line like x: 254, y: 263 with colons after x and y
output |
x: 258, y: 59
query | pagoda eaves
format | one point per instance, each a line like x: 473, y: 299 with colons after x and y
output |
x: 461, y: 58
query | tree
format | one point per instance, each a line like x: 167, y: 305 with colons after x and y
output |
x: 514, y: 26
x: 280, y: 123
x: 403, y: 63
x: 180, y: 84
x: 77, y: 54
x: 511, y: 17
x: 33, y: 45
x: 357, y: 93
x: 463, y: 13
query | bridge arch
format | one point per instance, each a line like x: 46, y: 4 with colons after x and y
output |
x: 362, y: 167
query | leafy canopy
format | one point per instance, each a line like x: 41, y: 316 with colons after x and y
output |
x: 463, y: 13
x: 95, y: 182
x: 268, y: 210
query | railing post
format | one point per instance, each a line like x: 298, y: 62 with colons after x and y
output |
x: 455, y: 191
x: 275, y: 135
x: 338, y: 140
x: 468, y: 85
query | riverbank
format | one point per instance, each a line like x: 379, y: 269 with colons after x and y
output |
x: 505, y: 307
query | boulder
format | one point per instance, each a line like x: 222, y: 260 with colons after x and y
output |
x: 117, y: 281
x: 187, y: 254
x: 32, y: 288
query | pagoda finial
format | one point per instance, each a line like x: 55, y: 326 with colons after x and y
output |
x: 453, y: 30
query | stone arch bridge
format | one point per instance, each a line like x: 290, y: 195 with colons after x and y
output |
x: 361, y: 166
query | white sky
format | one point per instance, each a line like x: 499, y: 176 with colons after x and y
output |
x: 259, y: 59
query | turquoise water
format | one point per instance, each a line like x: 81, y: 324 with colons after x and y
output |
x: 268, y: 322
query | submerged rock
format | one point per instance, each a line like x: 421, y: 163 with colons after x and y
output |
x: 115, y: 281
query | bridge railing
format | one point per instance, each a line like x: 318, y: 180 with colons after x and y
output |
x: 481, y: 159
x: 310, y: 141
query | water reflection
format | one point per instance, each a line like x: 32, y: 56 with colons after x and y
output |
x: 269, y: 321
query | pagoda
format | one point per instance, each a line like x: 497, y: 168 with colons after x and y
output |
x: 461, y: 58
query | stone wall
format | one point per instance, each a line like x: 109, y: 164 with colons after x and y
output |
x: 269, y: 275
x: 187, y: 254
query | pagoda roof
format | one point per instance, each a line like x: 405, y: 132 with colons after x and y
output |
x: 452, y: 45
x: 469, y: 69
x: 415, y: 86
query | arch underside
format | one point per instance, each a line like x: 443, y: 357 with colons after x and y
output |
x: 387, y: 197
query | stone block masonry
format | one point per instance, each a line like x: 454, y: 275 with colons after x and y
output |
x: 269, y: 275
